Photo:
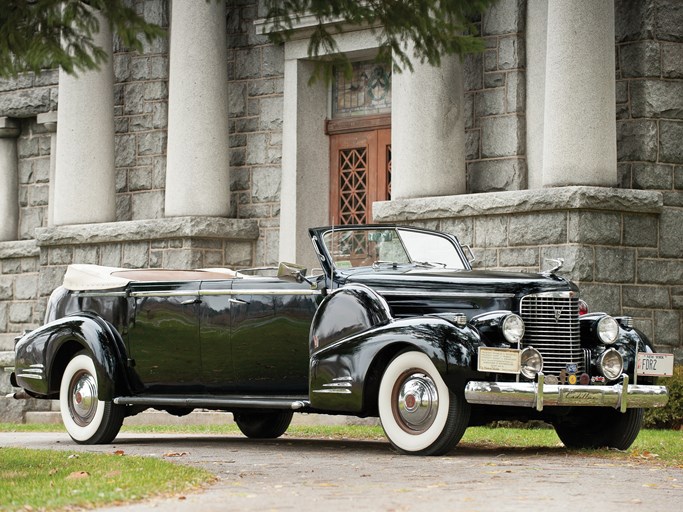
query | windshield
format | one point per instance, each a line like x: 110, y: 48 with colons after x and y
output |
x: 351, y: 248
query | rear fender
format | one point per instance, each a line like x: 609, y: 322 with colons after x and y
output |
x: 46, y: 351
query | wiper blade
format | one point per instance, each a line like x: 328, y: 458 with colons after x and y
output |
x: 429, y: 264
x: 377, y: 264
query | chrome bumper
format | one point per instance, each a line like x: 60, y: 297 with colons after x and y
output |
x: 538, y: 395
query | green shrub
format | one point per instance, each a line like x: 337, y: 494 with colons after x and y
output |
x: 670, y: 416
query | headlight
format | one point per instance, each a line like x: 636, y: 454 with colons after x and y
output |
x: 611, y: 364
x: 608, y: 330
x: 532, y: 362
x: 513, y: 328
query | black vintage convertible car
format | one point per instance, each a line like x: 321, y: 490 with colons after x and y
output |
x: 396, y: 326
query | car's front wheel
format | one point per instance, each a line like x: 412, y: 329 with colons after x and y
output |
x: 419, y: 414
x: 87, y: 419
x: 263, y: 425
x: 598, y: 427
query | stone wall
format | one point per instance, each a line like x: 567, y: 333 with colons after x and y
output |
x: 31, y: 270
x: 141, y: 120
x: 495, y: 102
x: 33, y: 149
x: 256, y: 74
x: 613, y: 242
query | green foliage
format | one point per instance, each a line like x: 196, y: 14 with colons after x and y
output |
x: 39, y: 34
x: 425, y: 30
x: 671, y: 415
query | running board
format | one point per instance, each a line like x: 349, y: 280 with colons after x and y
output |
x: 218, y: 402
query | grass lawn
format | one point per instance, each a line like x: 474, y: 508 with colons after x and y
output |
x: 48, y: 480
x: 651, y: 446
x: 51, y: 480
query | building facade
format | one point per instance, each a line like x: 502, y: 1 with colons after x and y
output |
x: 563, y: 139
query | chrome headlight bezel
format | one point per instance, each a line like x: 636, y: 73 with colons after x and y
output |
x: 607, y: 329
x: 531, y: 362
x: 512, y: 328
x: 606, y: 362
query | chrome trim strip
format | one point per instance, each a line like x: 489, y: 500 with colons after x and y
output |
x: 35, y: 371
x: 246, y: 402
x: 226, y: 292
x: 246, y: 291
x: 337, y: 385
x: 528, y: 394
x: 401, y: 293
x: 101, y: 294
x: 336, y: 391
x: 30, y: 376
x: 169, y: 293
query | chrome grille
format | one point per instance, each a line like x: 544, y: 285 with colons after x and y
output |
x: 551, y: 322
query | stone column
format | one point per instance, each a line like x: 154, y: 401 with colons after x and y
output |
x: 197, y: 168
x: 428, y: 131
x: 85, y: 178
x: 9, y: 181
x: 579, y: 139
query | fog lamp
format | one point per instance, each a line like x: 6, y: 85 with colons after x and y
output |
x: 531, y: 362
x: 611, y: 364
x: 513, y: 328
x: 608, y: 330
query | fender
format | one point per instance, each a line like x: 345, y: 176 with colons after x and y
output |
x: 353, y: 337
x: 38, y: 351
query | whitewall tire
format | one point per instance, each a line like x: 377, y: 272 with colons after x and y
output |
x: 87, y: 419
x: 419, y: 414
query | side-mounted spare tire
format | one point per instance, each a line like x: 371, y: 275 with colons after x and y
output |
x: 419, y: 414
x: 87, y: 419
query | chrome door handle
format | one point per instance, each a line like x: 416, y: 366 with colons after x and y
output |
x: 187, y: 302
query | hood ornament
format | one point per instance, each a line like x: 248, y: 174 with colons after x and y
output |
x: 558, y: 265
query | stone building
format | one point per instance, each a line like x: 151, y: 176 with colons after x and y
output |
x: 564, y: 138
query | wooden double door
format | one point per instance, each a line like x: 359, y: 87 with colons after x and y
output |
x: 360, y: 173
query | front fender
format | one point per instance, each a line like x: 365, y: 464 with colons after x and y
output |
x: 344, y: 372
x: 42, y: 354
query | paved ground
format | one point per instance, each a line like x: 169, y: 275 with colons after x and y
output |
x: 313, y: 475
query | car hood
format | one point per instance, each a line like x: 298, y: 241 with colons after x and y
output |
x: 411, y: 292
x: 457, y: 281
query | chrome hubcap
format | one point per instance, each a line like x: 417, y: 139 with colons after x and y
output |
x: 417, y: 402
x: 83, y: 398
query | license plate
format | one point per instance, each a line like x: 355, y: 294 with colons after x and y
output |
x: 499, y: 360
x: 655, y: 365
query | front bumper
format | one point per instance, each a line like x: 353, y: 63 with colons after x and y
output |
x: 538, y: 395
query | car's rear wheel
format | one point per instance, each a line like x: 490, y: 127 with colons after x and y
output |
x: 419, y: 414
x: 263, y: 425
x: 598, y: 427
x: 87, y: 419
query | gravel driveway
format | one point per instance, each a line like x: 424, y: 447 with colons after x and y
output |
x: 313, y: 475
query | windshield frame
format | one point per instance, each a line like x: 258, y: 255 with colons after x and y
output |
x: 320, y: 238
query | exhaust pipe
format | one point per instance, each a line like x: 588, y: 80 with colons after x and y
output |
x: 19, y: 395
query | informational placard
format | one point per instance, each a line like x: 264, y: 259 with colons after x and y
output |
x: 655, y: 365
x: 499, y: 360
